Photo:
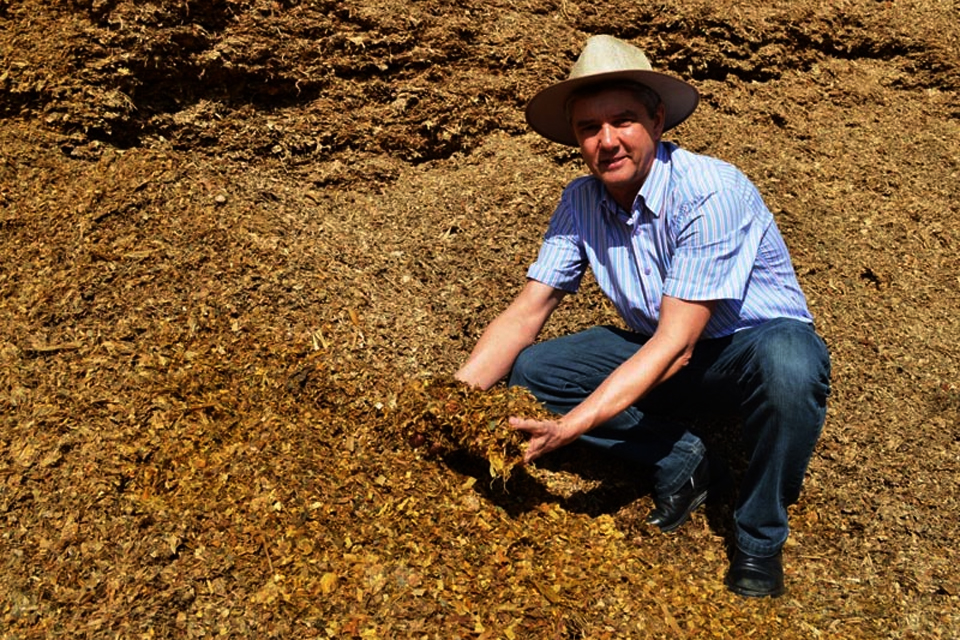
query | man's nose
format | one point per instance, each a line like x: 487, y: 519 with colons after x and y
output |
x: 608, y: 136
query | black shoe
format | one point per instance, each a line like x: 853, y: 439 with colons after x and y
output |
x: 671, y: 511
x: 756, y: 577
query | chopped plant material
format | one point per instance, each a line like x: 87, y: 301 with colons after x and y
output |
x: 447, y: 414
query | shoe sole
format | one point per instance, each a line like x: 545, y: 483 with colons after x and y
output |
x: 750, y: 593
x: 699, y: 500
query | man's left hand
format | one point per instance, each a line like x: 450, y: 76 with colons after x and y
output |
x: 545, y: 435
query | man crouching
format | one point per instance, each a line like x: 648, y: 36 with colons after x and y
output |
x: 689, y: 254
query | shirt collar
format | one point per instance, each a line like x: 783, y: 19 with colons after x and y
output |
x: 653, y: 191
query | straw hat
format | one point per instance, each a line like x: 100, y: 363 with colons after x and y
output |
x: 605, y: 58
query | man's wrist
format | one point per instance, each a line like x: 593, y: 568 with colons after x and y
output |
x: 572, y: 425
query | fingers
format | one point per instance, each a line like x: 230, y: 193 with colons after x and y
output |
x: 538, y: 447
x: 526, y: 425
x: 529, y: 427
x: 543, y: 436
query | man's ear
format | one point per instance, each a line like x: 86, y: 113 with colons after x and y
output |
x: 658, y: 121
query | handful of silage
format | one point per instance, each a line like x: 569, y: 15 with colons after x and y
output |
x: 448, y: 415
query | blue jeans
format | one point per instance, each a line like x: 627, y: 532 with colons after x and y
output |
x: 775, y: 376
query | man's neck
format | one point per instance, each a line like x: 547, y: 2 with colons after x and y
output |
x: 625, y: 199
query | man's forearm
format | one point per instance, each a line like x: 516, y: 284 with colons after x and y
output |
x: 666, y: 353
x: 495, y: 352
x: 510, y: 333
x: 632, y: 380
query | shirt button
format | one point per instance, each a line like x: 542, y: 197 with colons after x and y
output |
x: 647, y: 271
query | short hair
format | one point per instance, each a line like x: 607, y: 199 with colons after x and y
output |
x: 649, y: 98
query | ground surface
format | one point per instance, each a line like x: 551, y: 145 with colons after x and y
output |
x: 235, y: 234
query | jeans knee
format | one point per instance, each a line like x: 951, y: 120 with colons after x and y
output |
x: 795, y: 358
x: 525, y: 368
x: 573, y: 364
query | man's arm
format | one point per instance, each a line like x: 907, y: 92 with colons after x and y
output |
x: 667, y: 351
x: 509, y: 333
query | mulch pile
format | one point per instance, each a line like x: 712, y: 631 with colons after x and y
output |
x: 246, y: 243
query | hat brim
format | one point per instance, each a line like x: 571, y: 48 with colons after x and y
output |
x: 546, y: 111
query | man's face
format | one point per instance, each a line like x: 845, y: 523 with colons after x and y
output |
x: 618, y: 140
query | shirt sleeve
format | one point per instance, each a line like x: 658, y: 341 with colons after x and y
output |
x: 562, y: 260
x: 717, y: 241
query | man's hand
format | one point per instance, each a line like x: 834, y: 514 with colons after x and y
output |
x: 545, y: 435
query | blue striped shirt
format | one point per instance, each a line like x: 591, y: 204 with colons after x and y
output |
x: 699, y: 230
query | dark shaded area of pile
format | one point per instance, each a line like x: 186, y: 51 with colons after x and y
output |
x: 245, y: 243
